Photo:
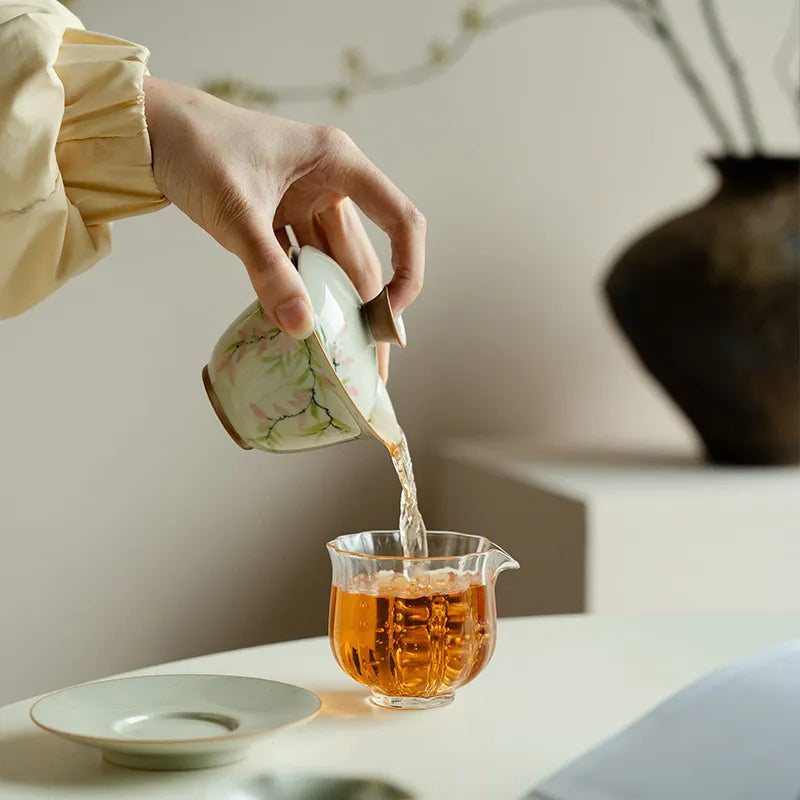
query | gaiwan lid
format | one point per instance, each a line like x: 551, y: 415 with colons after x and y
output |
x: 347, y: 331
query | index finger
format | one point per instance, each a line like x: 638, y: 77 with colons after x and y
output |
x: 353, y: 174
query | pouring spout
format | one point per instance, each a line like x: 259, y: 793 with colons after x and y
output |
x: 498, y: 561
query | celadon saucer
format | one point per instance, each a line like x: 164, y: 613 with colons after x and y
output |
x: 173, y: 722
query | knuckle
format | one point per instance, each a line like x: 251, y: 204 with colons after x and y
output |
x: 332, y: 140
x: 261, y: 269
x: 409, y: 218
x: 416, y: 283
x: 269, y: 281
x: 417, y: 219
x: 412, y: 281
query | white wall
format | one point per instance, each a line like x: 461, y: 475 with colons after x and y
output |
x: 132, y: 530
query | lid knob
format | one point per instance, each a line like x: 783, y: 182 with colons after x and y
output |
x: 383, y: 324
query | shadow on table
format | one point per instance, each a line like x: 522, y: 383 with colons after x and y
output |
x: 40, y: 759
x: 310, y: 787
x: 343, y: 704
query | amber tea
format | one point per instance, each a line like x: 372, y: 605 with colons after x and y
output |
x: 413, y: 637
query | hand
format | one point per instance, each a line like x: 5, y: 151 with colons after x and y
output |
x: 242, y: 176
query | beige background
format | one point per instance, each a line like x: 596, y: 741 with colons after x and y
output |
x: 132, y: 530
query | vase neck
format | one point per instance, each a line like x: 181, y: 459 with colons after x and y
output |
x: 758, y: 173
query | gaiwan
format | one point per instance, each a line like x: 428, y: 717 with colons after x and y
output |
x: 274, y: 393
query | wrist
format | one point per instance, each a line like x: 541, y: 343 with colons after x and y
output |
x: 165, y: 105
x: 155, y: 91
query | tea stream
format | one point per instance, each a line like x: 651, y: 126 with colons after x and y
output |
x: 412, y: 527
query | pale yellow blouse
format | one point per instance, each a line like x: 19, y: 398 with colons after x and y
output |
x: 74, y: 148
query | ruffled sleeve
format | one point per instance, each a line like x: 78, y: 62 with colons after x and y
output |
x: 74, y: 148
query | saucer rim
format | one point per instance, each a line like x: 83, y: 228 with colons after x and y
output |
x: 230, y: 737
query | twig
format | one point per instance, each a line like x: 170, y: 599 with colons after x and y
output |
x: 524, y: 8
x: 662, y: 29
x: 638, y: 13
x: 441, y: 56
x: 729, y: 61
x: 648, y: 14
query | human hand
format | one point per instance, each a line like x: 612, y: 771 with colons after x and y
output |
x: 242, y: 176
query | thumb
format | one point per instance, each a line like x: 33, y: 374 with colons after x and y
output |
x: 279, y: 287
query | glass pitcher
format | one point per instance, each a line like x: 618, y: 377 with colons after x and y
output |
x: 413, y: 630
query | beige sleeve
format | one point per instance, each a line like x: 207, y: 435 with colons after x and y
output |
x: 74, y: 148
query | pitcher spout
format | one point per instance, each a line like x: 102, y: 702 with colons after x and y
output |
x: 498, y: 560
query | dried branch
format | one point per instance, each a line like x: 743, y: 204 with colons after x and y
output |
x: 731, y: 64
x: 652, y: 14
x: 637, y: 12
x: 647, y: 14
x: 441, y: 55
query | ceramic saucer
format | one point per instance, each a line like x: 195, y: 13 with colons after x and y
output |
x: 171, y: 722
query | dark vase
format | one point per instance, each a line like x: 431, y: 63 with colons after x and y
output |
x: 710, y: 301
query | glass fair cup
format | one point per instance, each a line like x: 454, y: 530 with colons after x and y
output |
x: 413, y: 630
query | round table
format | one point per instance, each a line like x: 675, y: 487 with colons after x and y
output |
x: 555, y: 687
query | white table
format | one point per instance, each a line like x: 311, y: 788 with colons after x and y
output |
x: 556, y: 686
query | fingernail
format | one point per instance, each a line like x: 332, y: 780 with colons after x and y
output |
x: 295, y: 318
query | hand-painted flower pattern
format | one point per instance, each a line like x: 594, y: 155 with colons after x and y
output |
x: 305, y: 407
x: 226, y: 367
x: 258, y: 413
x: 285, y: 344
x: 300, y: 400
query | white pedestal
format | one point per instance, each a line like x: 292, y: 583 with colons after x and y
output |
x: 623, y: 533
